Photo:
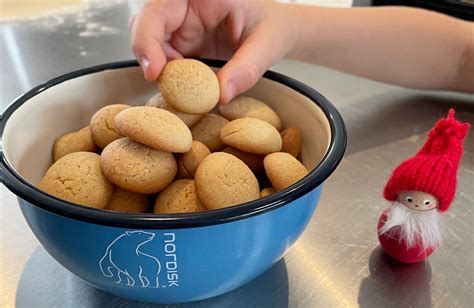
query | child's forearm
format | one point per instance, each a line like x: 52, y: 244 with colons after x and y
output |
x: 403, y: 46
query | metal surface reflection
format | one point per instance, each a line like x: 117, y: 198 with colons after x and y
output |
x: 13, y: 53
x: 392, y: 283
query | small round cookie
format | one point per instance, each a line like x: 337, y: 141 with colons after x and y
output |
x: 283, y: 170
x: 267, y: 192
x: 251, y: 135
x: 249, y: 107
x: 291, y: 141
x: 223, y: 180
x: 155, y: 127
x: 208, y: 131
x: 77, y: 177
x: 79, y: 141
x: 189, y: 161
x: 128, y: 202
x: 137, y: 167
x: 189, y: 86
x: 103, y: 124
x: 158, y: 101
x: 179, y: 197
x: 253, y: 161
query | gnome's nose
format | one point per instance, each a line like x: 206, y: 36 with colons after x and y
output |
x: 416, y: 205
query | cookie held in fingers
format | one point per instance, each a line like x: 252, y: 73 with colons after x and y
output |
x: 189, y: 161
x: 157, y: 128
x: 103, y: 124
x: 223, y: 180
x: 128, y: 202
x: 189, y: 86
x: 208, y: 131
x: 77, y: 177
x: 137, y: 167
x: 80, y: 141
x: 283, y: 170
x: 253, y: 161
x: 179, y: 197
x: 291, y: 141
x: 249, y: 107
x: 251, y: 135
x: 158, y: 101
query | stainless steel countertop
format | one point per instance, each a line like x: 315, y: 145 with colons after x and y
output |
x: 338, y: 261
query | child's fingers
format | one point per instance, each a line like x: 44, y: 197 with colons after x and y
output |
x: 149, y: 34
x: 147, y: 38
x: 170, y: 52
x: 247, y: 65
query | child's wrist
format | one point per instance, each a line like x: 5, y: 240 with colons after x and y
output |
x: 305, y: 27
x: 287, y: 28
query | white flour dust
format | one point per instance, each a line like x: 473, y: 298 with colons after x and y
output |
x: 78, y: 17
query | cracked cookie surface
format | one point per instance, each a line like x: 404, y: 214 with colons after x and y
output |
x: 249, y: 107
x: 223, y: 180
x: 158, y: 101
x: 77, y: 177
x: 267, y: 192
x: 208, y: 131
x: 291, y: 141
x: 189, y: 86
x: 251, y: 135
x: 283, y: 170
x: 189, y: 161
x: 179, y: 197
x: 103, y: 124
x: 253, y: 161
x: 126, y: 201
x: 137, y: 167
x: 155, y: 127
x: 79, y: 141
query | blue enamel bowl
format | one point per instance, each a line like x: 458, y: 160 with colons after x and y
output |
x: 162, y: 258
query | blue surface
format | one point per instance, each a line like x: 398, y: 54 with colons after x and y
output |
x: 175, y: 265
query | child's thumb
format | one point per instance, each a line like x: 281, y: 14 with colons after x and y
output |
x: 246, y: 67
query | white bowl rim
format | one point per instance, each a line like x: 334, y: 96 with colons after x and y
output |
x: 27, y: 191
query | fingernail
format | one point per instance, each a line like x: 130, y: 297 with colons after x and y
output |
x: 144, y: 62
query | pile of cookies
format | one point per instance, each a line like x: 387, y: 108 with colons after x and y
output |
x: 179, y: 153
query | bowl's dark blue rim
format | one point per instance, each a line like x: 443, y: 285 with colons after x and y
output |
x: 316, y: 177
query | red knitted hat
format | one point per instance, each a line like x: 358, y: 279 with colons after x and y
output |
x: 434, y: 168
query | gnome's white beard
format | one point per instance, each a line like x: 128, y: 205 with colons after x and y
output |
x: 414, y: 226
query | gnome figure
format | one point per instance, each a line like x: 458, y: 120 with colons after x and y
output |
x: 422, y: 188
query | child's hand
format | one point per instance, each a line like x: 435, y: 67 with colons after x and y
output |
x: 253, y: 34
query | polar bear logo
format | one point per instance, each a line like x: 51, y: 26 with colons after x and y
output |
x: 131, y: 266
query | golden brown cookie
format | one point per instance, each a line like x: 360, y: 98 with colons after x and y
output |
x: 189, y: 86
x: 223, y: 180
x: 267, y: 192
x: 159, y: 102
x: 179, y: 197
x: 249, y: 107
x: 253, y: 161
x: 128, y: 202
x: 291, y: 141
x: 77, y: 177
x: 251, y: 135
x: 188, y: 162
x: 283, y: 169
x: 80, y: 141
x: 208, y: 131
x: 155, y: 127
x: 103, y: 125
x: 137, y: 167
